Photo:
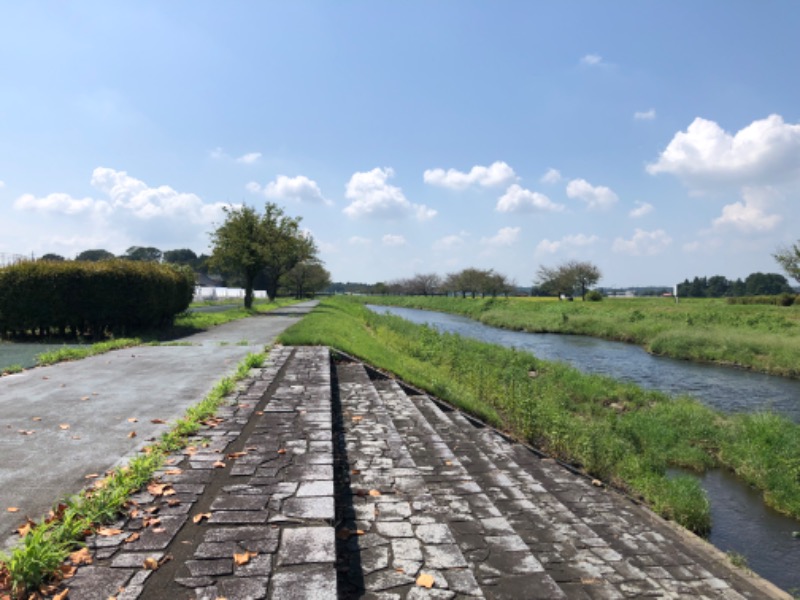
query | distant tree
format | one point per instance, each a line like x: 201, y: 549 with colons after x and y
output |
x: 423, y: 284
x: 788, y: 258
x: 568, y: 278
x: 249, y: 244
x: 52, y: 257
x: 380, y: 288
x: 183, y: 256
x: 306, y: 278
x: 718, y: 286
x: 142, y: 253
x: 758, y: 284
x: 95, y: 255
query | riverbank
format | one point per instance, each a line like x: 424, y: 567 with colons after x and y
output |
x: 616, y: 432
x: 759, y: 337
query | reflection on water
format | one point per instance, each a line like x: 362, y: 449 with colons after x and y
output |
x: 24, y: 354
x: 724, y: 388
x: 741, y: 522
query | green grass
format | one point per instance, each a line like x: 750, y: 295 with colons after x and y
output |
x: 64, y: 354
x: 38, y: 555
x: 760, y: 337
x: 615, y: 431
x: 199, y: 321
x: 11, y: 369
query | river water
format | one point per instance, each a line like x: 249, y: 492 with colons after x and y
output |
x: 741, y: 522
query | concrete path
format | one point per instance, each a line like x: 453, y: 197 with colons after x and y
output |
x: 324, y: 481
x: 63, y: 422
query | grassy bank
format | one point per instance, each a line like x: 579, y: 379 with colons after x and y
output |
x: 198, y: 321
x: 759, y: 337
x: 47, y: 544
x: 615, y: 431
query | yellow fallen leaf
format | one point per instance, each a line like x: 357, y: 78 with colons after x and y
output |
x: 357, y: 418
x: 64, y: 426
x: 374, y: 493
x: 150, y: 563
x: 218, y: 464
x: 133, y: 420
x: 425, y: 581
x: 12, y: 509
x: 25, y: 529
x: 132, y: 537
x: 81, y: 557
x: 91, y: 476
x: 244, y: 557
x: 200, y: 516
x: 36, y: 419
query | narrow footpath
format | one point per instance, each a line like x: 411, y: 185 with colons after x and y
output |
x: 323, y: 479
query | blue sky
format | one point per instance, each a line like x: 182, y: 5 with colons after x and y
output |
x: 660, y: 140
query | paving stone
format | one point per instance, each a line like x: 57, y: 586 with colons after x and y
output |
x: 307, y: 545
x: 309, y: 582
x: 309, y: 508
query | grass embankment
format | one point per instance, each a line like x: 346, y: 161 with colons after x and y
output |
x: 617, y: 432
x: 759, y: 337
x: 47, y: 544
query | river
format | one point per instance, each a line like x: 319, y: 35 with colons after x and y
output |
x: 741, y: 522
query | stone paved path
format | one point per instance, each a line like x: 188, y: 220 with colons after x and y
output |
x: 325, y: 483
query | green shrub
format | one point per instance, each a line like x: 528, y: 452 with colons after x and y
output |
x: 594, y: 296
x: 91, y: 298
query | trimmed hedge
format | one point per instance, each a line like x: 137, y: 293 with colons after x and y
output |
x: 91, y: 298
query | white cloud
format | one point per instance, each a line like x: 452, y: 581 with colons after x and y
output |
x: 518, y: 199
x: 498, y: 173
x: 297, y: 189
x: 642, y: 209
x: 249, y: 158
x: 449, y: 242
x: 766, y: 151
x: 393, y: 240
x: 645, y: 115
x: 359, y: 241
x: 504, y: 237
x: 372, y: 196
x: 643, y: 243
x: 552, y: 176
x: 592, y: 60
x: 749, y: 216
x: 60, y: 203
x: 566, y: 243
x: 595, y: 197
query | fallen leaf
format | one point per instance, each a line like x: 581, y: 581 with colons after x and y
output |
x: 244, y: 557
x: 132, y: 537
x: 159, y: 530
x: 81, y: 557
x: 132, y: 434
x: 158, y: 421
x: 36, y: 419
x: 133, y: 420
x: 237, y: 454
x: 597, y: 483
x: 91, y: 476
x: 157, y: 489
x: 150, y: 563
x: 67, y: 571
x: 282, y: 451
x: 425, y: 581
x: 23, y: 530
x: 76, y: 437
x: 357, y: 418
x: 190, y: 450
x: 64, y: 426
x: 170, y: 461
x: 218, y: 464
x: 200, y: 516
x: 108, y: 531
x: 399, y: 570
x: 26, y: 431
x: 448, y: 463
x: 355, y: 472
x: 62, y: 595
x: 170, y: 492
x: 151, y: 521
x: 374, y: 493
x: 260, y: 413
x: 84, y: 398
x: 12, y: 509
x: 173, y: 472
x: 173, y: 502
x: 45, y: 377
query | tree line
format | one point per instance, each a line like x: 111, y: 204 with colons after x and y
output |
x: 718, y: 286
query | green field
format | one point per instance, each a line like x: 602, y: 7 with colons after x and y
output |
x: 759, y: 337
x: 615, y: 431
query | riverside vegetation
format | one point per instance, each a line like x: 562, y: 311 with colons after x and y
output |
x: 764, y: 338
x: 615, y: 431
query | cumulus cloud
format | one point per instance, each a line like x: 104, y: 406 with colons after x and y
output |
x: 498, y: 173
x: 296, y: 189
x: 249, y: 158
x: 504, y: 237
x: 60, y: 203
x: 750, y: 215
x: 566, y: 243
x: 521, y: 200
x: 372, y: 196
x: 642, y: 209
x: 592, y: 60
x: 391, y: 239
x: 645, y: 115
x: 596, y: 197
x: 449, y: 242
x: 766, y: 151
x: 643, y: 243
x: 552, y: 176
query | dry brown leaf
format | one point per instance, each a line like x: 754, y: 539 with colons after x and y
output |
x: 26, y: 431
x: 237, y: 454
x: 282, y: 451
x: 81, y: 557
x: 108, y: 531
x: 159, y: 530
x: 12, y: 509
x: 132, y: 434
x: 425, y: 581
x: 151, y: 522
x: 200, y: 516
x: 158, y: 421
x: 132, y: 537
x: 76, y: 437
x: 218, y: 464
x: 190, y: 450
x: 91, y: 476
x: 374, y: 493
x: 355, y: 472
x: 133, y: 420
x: 36, y: 419
x: 23, y: 530
x: 260, y: 413
x: 67, y: 571
x: 244, y: 557
x: 84, y: 398
x: 157, y: 489
x: 449, y: 463
x: 150, y: 563
x: 399, y: 570
x: 173, y: 472
x: 357, y: 418
x: 62, y: 595
x: 173, y: 502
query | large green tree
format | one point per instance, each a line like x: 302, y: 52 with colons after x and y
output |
x: 788, y: 257
x: 248, y: 244
x: 568, y: 278
x: 306, y: 277
x: 95, y: 255
x: 142, y: 253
